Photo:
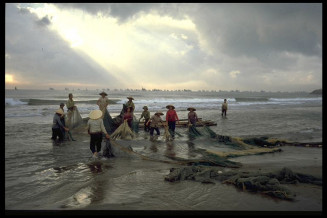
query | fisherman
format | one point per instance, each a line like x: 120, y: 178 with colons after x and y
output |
x: 70, y: 103
x: 171, y: 118
x: 192, y: 116
x: 155, y: 119
x: 146, y: 115
x: 128, y: 115
x: 224, y: 107
x: 103, y: 102
x: 57, y: 125
x: 62, y: 118
x: 95, y: 128
x: 130, y: 103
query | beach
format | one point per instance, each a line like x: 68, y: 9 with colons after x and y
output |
x: 42, y: 176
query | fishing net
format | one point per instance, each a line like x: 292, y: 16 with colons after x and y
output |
x: 108, y: 150
x: 168, y: 133
x: 265, y: 183
x: 181, y: 152
x: 157, y: 155
x: 73, y: 119
x: 195, y: 132
x: 109, y: 123
x: 123, y: 132
x: 135, y: 125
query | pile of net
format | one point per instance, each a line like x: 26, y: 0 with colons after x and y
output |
x: 123, y: 132
x: 265, y: 183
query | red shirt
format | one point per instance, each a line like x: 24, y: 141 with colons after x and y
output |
x: 128, y: 116
x: 171, y: 115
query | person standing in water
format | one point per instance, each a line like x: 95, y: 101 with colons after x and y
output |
x: 57, y: 125
x: 224, y: 107
x: 62, y: 118
x: 146, y: 115
x: 171, y: 118
x: 128, y: 115
x: 103, y: 102
x: 192, y: 116
x: 155, y: 120
x: 130, y: 103
x: 70, y: 103
x: 95, y: 128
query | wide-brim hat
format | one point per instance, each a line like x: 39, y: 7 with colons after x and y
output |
x: 159, y: 112
x: 95, y: 114
x: 59, y: 111
x: 191, y: 108
x: 103, y: 93
x: 170, y: 105
x: 145, y: 107
x: 129, y: 97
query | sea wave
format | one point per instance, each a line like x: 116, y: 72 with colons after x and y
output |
x: 176, y: 100
x: 295, y: 99
x: 57, y: 102
x: 14, y: 102
x: 254, y: 99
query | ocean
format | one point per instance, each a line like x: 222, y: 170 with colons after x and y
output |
x: 42, y: 176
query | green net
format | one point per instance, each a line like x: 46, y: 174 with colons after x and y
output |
x: 268, y: 183
x: 135, y: 125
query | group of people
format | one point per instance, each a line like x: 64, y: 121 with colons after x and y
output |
x: 96, y: 128
x: 59, y: 126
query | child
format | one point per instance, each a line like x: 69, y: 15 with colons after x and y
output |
x: 146, y: 115
x: 171, y: 118
x: 95, y: 128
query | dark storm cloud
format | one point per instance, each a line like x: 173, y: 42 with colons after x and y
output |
x: 259, y: 29
x: 40, y: 56
x: 122, y: 11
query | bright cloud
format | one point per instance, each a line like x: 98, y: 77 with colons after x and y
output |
x: 234, y: 74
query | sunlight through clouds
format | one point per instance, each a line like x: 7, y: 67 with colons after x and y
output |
x: 165, y: 45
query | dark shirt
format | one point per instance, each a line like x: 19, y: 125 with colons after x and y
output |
x: 56, y: 122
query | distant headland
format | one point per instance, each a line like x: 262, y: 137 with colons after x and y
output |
x: 317, y: 92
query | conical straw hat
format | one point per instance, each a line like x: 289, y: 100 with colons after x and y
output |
x: 191, y: 108
x: 95, y: 114
x: 103, y: 93
x: 159, y: 112
x: 59, y: 111
x: 170, y: 105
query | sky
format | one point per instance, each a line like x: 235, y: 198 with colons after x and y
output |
x: 196, y: 46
